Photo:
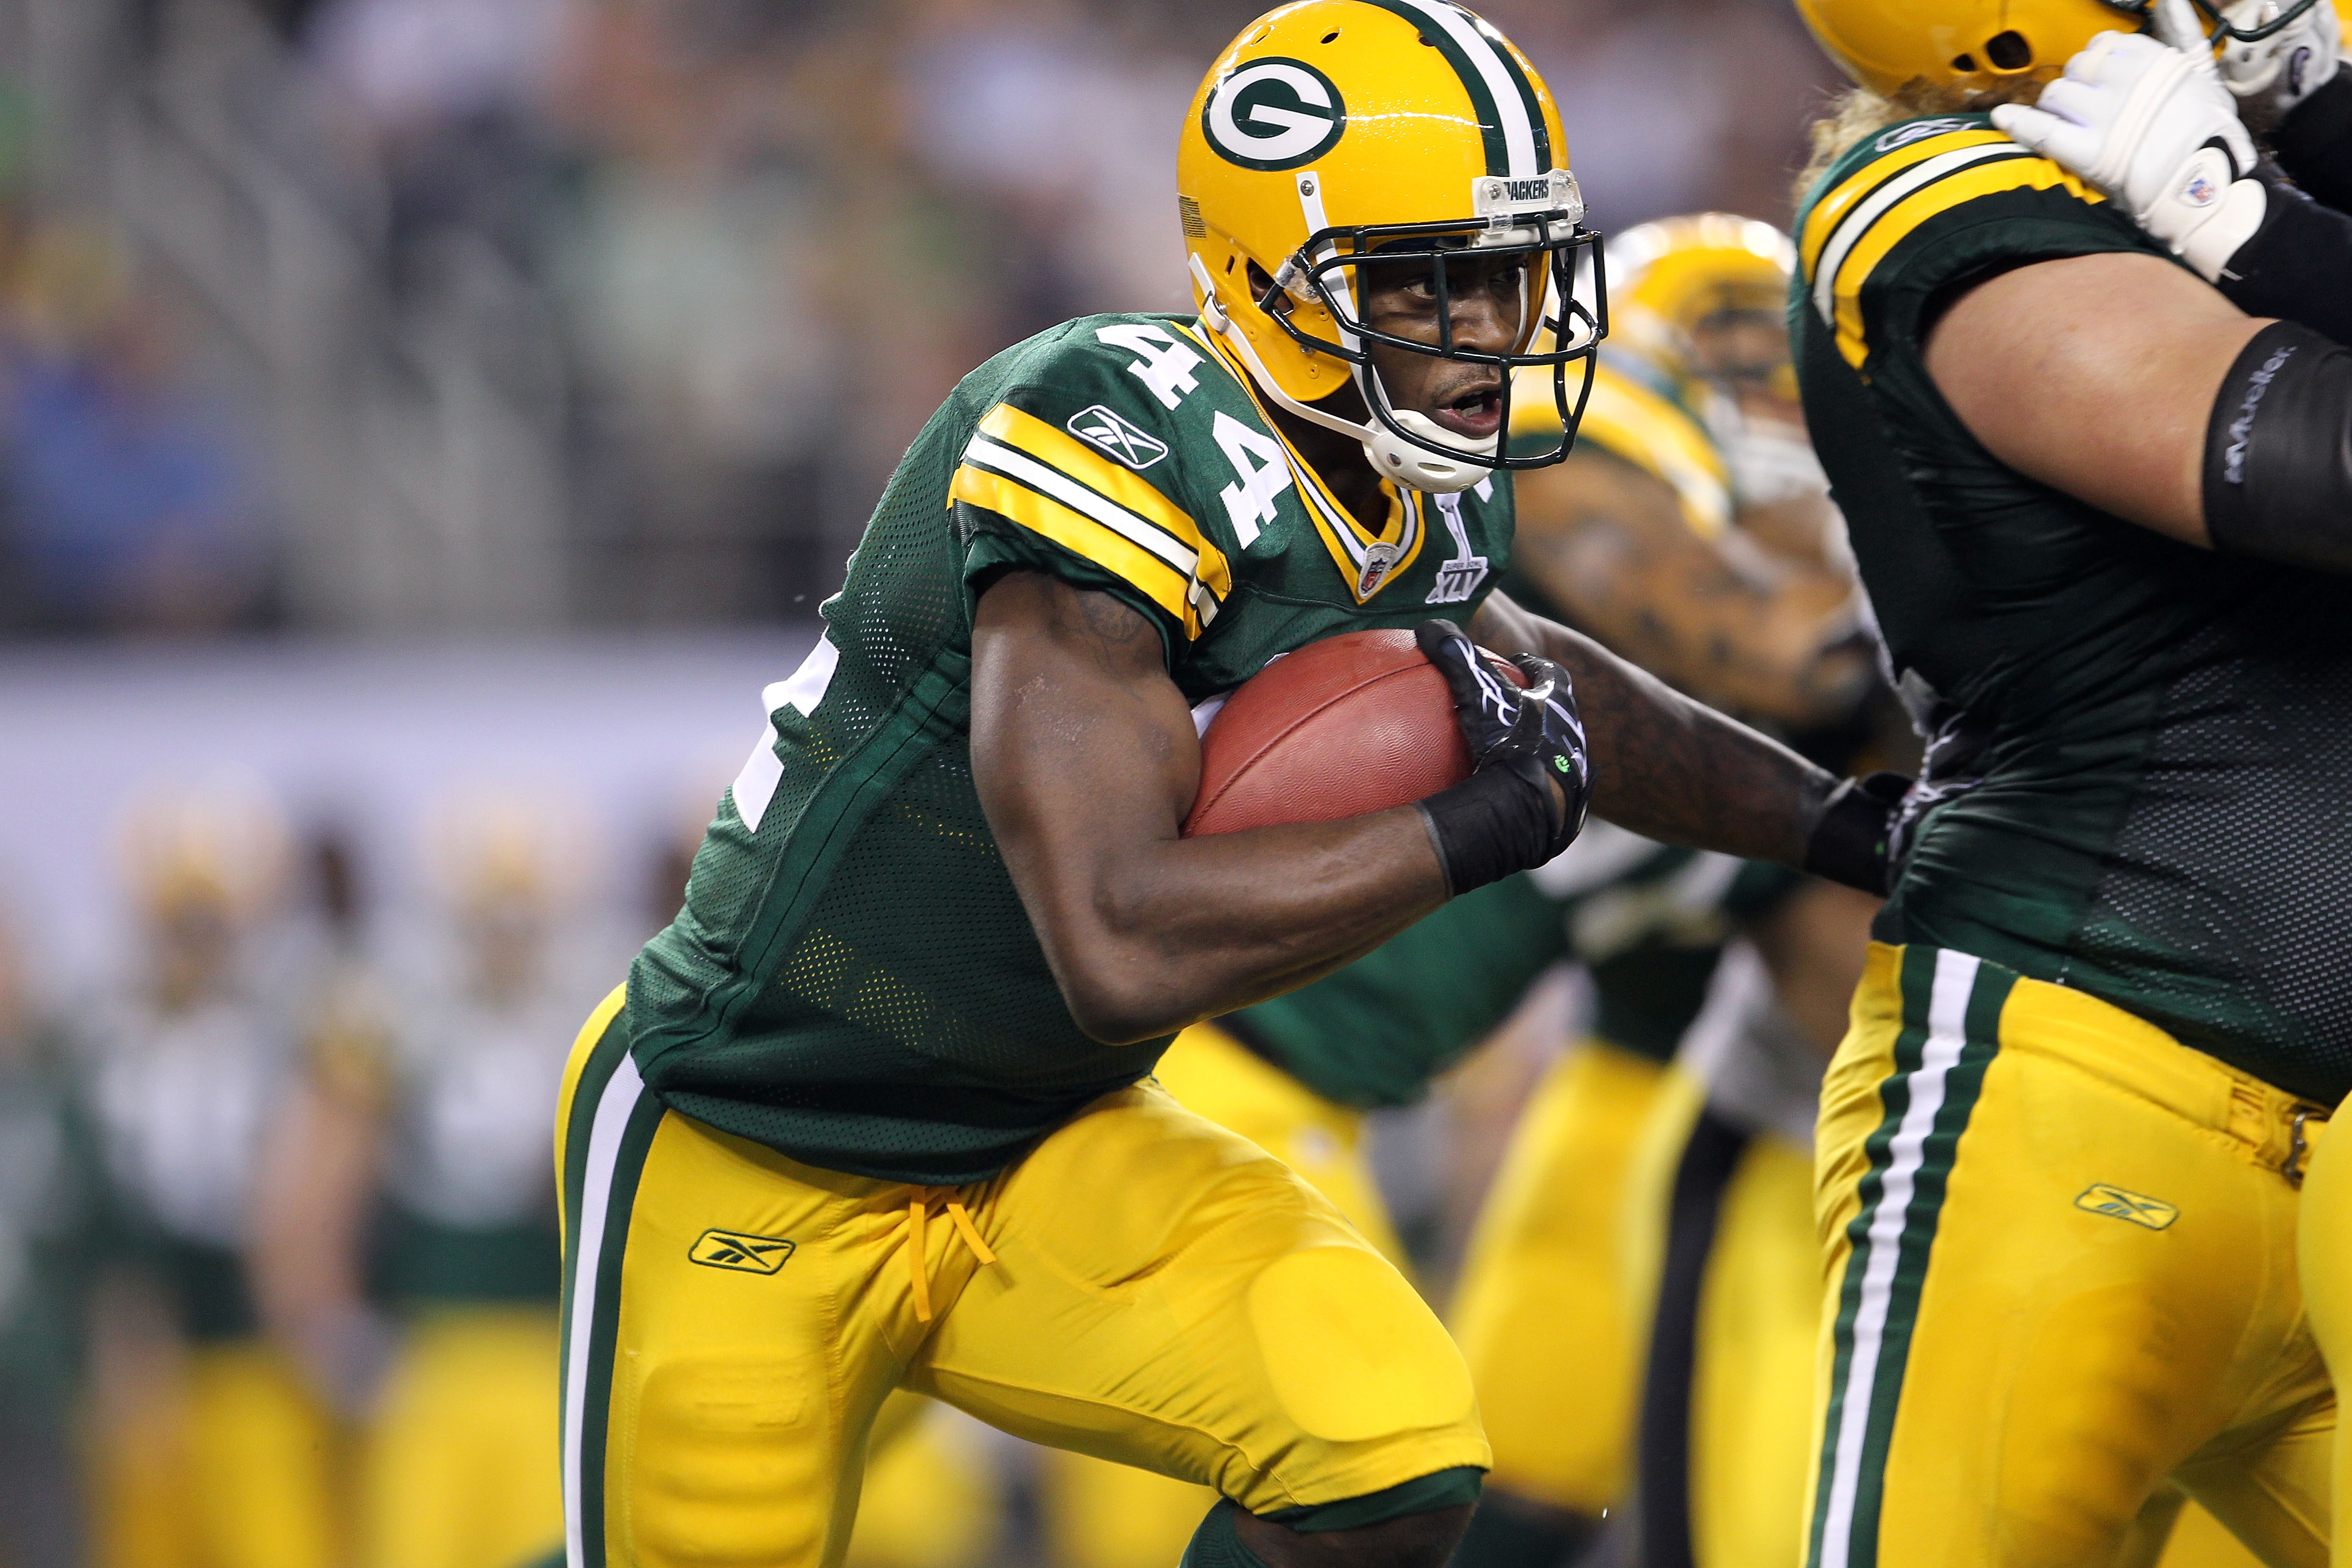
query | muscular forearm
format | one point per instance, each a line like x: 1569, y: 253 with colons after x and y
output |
x: 1664, y: 766
x: 1085, y: 758
x: 1187, y: 929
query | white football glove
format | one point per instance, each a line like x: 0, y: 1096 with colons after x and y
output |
x: 2153, y: 128
x: 2271, y: 76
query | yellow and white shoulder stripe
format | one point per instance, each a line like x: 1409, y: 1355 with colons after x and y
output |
x: 1852, y: 229
x: 1048, y: 481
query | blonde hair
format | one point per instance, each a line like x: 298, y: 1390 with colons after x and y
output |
x: 1857, y: 111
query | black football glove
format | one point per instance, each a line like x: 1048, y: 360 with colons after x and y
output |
x: 1853, y: 840
x: 1504, y: 816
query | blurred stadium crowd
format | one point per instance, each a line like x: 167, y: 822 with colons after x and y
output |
x: 511, y: 318
x: 368, y: 314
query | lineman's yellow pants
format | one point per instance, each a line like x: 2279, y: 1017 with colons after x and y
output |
x: 2061, y: 1276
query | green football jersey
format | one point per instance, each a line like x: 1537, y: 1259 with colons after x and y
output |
x: 2141, y: 779
x: 1646, y: 919
x: 853, y: 981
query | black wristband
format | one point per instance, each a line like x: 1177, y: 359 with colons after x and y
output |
x: 1849, y: 843
x: 2315, y: 142
x: 2294, y: 265
x: 2278, y: 452
x: 1493, y: 822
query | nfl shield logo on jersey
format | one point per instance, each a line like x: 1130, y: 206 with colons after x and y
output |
x: 1122, y: 438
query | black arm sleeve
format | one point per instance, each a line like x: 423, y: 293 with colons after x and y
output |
x: 2278, y: 452
x: 2314, y: 144
x: 2296, y: 265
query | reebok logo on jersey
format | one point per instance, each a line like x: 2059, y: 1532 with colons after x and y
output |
x: 1918, y: 130
x: 1101, y: 426
x: 734, y: 1249
x: 2117, y: 1204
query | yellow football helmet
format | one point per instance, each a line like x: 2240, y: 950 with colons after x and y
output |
x: 1886, y: 44
x: 1672, y: 277
x: 1331, y: 128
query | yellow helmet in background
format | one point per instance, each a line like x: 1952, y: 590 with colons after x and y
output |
x: 221, y: 844
x: 1669, y: 277
x: 1887, y: 44
x: 1333, y: 128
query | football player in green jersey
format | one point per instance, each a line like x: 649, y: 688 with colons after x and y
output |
x: 2144, y: 117
x: 869, y: 1113
x: 2095, y: 500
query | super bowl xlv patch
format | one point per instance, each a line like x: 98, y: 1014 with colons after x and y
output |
x: 734, y: 1249
x: 2116, y: 1203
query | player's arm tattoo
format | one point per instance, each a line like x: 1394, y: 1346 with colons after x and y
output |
x: 1664, y: 766
x: 1749, y: 628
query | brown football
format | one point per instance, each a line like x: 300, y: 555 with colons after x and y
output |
x: 1352, y: 724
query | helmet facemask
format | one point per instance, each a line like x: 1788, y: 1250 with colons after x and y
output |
x: 1561, y: 319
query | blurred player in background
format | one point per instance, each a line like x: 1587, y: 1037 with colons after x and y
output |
x: 407, y: 1241
x: 49, y: 1192
x: 1690, y: 530
x: 2105, y: 1028
x: 210, y: 1446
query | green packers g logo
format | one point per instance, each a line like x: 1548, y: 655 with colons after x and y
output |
x: 1274, y: 114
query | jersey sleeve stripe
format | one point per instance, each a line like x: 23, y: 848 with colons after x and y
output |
x: 1083, y: 536
x: 1861, y: 220
x: 1197, y: 560
x: 1183, y: 595
x: 1843, y: 287
x: 1832, y: 209
x: 1073, y: 459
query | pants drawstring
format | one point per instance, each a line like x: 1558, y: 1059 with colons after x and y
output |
x: 915, y: 1256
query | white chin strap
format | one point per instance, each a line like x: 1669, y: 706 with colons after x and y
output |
x: 1391, y: 455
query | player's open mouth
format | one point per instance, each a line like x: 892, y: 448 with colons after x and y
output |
x: 1476, y: 415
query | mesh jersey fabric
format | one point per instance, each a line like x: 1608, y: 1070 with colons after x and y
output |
x: 2138, y: 782
x: 853, y: 981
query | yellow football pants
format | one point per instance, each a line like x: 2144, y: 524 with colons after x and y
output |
x: 2324, y: 1245
x: 235, y: 1467
x: 461, y: 1467
x: 1100, y: 1515
x: 930, y: 1498
x: 1143, y: 1286
x: 1726, y: 1286
x: 1542, y: 1312
x: 2060, y: 1272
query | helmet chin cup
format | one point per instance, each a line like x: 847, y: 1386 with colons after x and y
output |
x: 1411, y: 462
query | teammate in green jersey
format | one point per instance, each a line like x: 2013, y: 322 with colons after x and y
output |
x: 868, y: 1114
x: 2094, y: 502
